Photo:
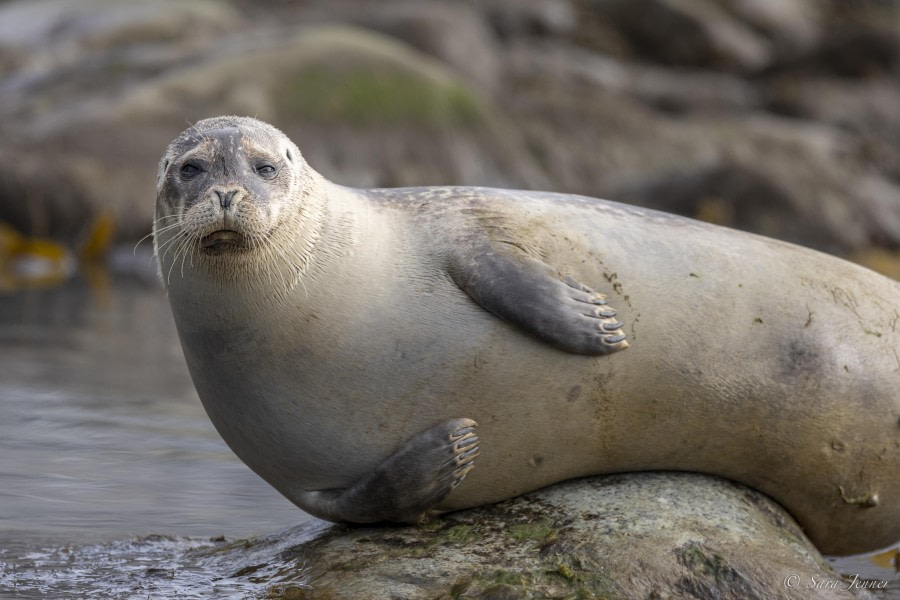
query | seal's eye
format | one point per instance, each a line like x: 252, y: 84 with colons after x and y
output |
x: 189, y: 171
x: 266, y: 170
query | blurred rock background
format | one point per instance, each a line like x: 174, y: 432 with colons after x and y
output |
x: 780, y: 117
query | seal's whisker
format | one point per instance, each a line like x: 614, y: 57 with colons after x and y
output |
x: 134, y: 250
x: 258, y: 246
x: 168, y: 228
x: 163, y: 249
x: 182, y: 244
x: 202, y: 135
x: 160, y: 229
x: 188, y: 247
x: 277, y: 258
x: 272, y: 262
x: 183, y: 251
x: 197, y: 249
x: 176, y: 247
x: 169, y: 274
x: 283, y: 258
x: 168, y: 244
x: 154, y: 232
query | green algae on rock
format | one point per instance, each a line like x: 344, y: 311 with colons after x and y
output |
x: 344, y: 75
x: 648, y: 535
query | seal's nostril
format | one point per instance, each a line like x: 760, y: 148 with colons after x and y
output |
x: 225, y: 198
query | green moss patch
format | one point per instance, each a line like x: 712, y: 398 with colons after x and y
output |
x: 366, y: 96
x: 539, y: 531
x: 352, y: 76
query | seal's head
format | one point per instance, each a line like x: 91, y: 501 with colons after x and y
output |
x: 226, y: 187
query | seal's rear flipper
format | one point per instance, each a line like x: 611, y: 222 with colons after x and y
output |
x: 406, y: 486
x: 536, y: 298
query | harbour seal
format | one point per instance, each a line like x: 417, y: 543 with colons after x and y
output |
x: 345, y: 342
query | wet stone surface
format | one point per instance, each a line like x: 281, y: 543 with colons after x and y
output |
x: 650, y: 535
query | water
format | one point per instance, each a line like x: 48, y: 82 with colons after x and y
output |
x: 103, y: 438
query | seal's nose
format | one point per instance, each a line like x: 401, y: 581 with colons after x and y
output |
x: 225, y: 197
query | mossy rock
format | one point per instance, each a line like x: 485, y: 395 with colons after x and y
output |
x: 359, y: 78
x: 537, y: 532
x: 323, y: 74
x: 647, y: 535
x: 379, y: 113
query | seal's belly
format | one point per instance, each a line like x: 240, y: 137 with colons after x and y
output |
x: 322, y: 415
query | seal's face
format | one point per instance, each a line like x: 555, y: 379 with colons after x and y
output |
x: 222, y: 187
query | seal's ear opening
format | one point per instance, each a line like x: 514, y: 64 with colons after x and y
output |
x: 288, y: 154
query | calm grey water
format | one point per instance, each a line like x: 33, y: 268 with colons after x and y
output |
x: 102, y: 438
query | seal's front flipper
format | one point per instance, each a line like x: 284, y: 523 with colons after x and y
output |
x: 533, y: 296
x: 406, y: 486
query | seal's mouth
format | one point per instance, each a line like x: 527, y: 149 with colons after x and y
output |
x: 221, y: 241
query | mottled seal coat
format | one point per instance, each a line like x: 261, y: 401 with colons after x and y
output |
x: 345, y: 342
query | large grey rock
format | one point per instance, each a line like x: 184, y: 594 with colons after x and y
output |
x: 115, y: 39
x: 92, y: 25
x: 795, y: 26
x: 696, y: 33
x: 619, y: 149
x: 869, y: 108
x: 681, y: 90
x: 358, y: 104
x: 852, y: 51
x: 651, y: 535
x: 517, y: 18
x: 453, y: 32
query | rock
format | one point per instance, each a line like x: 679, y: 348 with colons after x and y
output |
x: 358, y: 104
x: 783, y: 186
x: 794, y: 26
x: 518, y: 18
x: 732, y: 195
x: 671, y: 90
x: 650, y: 535
x: 857, y: 40
x: 618, y: 149
x: 592, y: 144
x: 756, y: 198
x: 868, y: 107
x: 109, y: 40
x: 696, y: 33
x: 55, y: 26
x: 72, y: 57
x: 455, y: 33
x: 826, y: 175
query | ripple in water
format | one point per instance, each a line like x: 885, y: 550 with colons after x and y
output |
x: 157, y: 566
